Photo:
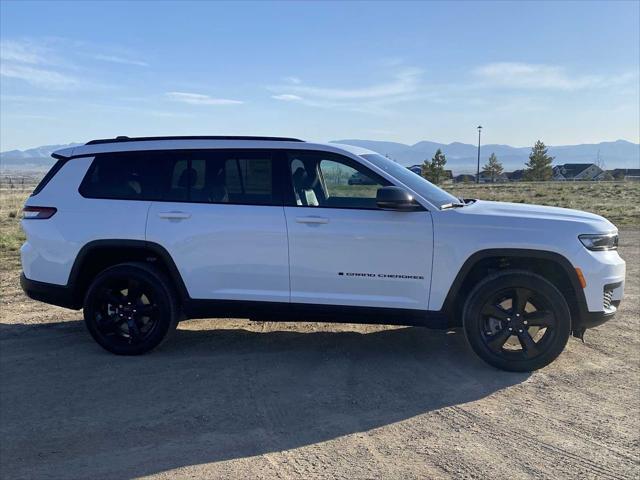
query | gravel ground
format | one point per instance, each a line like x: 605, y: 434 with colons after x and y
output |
x: 235, y: 399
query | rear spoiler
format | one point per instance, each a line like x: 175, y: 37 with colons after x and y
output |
x: 63, y: 153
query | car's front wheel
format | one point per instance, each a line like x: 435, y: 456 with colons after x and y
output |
x: 516, y: 321
x: 130, y: 308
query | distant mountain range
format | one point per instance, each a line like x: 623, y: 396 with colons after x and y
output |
x: 461, y: 157
x: 37, y: 158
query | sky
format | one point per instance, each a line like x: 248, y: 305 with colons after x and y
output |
x: 565, y: 73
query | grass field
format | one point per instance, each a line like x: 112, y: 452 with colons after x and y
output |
x: 617, y: 201
x: 11, y: 235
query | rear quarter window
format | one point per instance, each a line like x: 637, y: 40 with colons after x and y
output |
x: 50, y: 174
x: 128, y: 176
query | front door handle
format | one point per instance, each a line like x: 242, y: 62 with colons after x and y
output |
x: 313, y: 220
x: 174, y: 215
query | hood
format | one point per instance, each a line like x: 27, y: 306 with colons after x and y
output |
x: 521, y: 214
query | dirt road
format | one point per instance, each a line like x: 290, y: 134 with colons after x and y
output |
x: 234, y: 399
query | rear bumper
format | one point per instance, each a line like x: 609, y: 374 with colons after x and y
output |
x: 60, y: 295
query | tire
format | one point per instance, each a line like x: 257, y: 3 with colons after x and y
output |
x: 516, y: 321
x: 131, y: 308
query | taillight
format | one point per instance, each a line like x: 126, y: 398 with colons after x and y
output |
x: 38, y: 213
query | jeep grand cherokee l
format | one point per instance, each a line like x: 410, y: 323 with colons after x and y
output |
x: 144, y: 232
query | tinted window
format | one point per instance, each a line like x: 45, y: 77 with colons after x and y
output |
x: 180, y: 181
x: 322, y: 179
x: 128, y: 176
x: 207, y: 176
x: 50, y: 174
x: 224, y: 176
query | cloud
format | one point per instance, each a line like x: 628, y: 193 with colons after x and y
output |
x: 287, y: 97
x: 122, y: 60
x: 405, y: 81
x: 540, y: 76
x: 293, y: 80
x: 199, y: 99
x: 403, y: 86
x: 21, y: 52
x: 27, y: 99
x: 54, y: 63
x: 38, y: 77
x: 33, y: 63
x: 31, y: 117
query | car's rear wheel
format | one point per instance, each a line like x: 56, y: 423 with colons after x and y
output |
x: 516, y: 321
x: 130, y: 308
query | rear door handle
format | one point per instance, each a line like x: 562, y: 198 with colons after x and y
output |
x: 174, y: 215
x: 313, y: 220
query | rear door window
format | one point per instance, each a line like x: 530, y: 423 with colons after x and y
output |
x: 226, y: 176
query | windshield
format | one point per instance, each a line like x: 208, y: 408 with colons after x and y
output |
x: 428, y: 190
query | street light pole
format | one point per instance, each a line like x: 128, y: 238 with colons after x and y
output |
x: 478, y: 170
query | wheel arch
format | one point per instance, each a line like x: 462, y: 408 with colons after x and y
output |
x: 97, y: 255
x: 552, y: 266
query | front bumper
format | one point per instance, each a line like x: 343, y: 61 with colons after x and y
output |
x: 594, y: 319
x: 604, y: 272
x: 612, y: 296
x: 598, y: 300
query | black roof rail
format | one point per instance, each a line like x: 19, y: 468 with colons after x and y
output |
x: 121, y: 139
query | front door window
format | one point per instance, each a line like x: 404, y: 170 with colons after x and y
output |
x: 322, y: 179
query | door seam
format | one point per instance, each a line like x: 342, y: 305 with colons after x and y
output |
x: 286, y: 227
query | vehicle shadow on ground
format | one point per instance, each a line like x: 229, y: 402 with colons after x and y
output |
x: 71, y: 409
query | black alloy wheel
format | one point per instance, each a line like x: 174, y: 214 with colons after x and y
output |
x: 130, y: 308
x: 126, y: 310
x: 517, y: 321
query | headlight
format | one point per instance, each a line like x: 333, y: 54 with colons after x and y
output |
x: 600, y: 241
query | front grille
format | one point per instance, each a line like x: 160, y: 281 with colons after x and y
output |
x: 608, y: 295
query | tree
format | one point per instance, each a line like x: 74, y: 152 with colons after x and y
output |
x: 539, y: 164
x: 493, y: 168
x: 433, y: 170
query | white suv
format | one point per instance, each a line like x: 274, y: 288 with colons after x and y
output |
x: 144, y: 232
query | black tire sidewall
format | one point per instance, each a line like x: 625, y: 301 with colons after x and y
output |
x: 162, y: 296
x: 510, y: 279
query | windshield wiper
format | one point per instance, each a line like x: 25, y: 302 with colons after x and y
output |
x: 451, y: 205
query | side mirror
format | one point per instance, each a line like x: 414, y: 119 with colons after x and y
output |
x: 396, y: 198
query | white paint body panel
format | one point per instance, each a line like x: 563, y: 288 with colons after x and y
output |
x: 226, y: 252
x: 351, y: 242
x: 459, y: 233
